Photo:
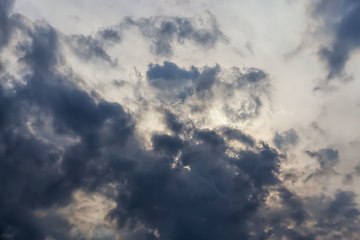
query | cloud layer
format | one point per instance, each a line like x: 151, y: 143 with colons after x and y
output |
x: 187, y: 179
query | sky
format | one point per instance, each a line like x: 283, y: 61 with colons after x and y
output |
x: 179, y: 119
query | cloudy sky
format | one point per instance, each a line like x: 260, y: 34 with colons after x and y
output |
x: 179, y: 119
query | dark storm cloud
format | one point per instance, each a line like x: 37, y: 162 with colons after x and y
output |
x: 211, y: 200
x: 163, y: 31
x: 286, y: 139
x: 33, y: 176
x: 343, y: 17
x: 29, y: 177
x: 169, y: 144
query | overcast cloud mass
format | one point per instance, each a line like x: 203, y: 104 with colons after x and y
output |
x: 179, y: 120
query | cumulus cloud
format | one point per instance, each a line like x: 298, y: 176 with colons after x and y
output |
x: 156, y: 190
x: 217, y: 192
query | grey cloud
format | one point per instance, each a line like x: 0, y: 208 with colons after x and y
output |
x: 321, y: 217
x: 254, y: 83
x: 294, y: 211
x: 343, y: 206
x: 180, y: 83
x: 95, y: 47
x: 5, y: 21
x: 295, y: 205
x: 30, y: 178
x: 177, y: 202
x: 89, y: 48
x: 343, y: 17
x: 251, y: 76
x: 247, y: 109
x: 286, y: 139
x: 210, y: 201
x: 33, y: 177
x: 173, y: 123
x: 41, y: 53
x: 348, y: 178
x: 207, y: 82
x: 169, y: 144
x: 169, y: 74
x: 357, y: 170
x: 109, y: 35
x: 163, y: 31
x: 235, y: 134
x: 339, y: 218
x: 327, y: 157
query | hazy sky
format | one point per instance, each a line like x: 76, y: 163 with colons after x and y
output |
x: 179, y: 119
